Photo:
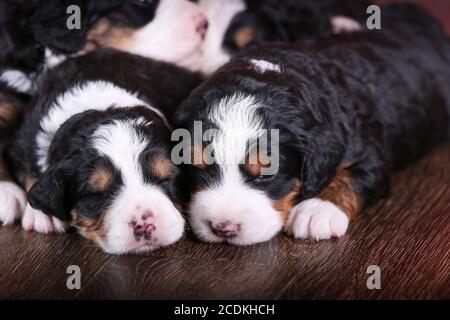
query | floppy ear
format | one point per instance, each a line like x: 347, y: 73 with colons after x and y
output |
x: 49, y: 26
x: 321, y: 158
x: 49, y: 193
x: 50, y: 23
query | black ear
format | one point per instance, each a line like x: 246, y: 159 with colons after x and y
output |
x: 49, y: 193
x: 49, y: 26
x: 321, y: 157
x: 49, y: 23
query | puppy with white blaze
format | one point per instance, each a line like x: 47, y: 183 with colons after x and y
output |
x: 348, y: 111
x: 95, y: 151
x: 236, y: 25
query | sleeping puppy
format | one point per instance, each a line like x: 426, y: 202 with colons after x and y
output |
x: 239, y: 24
x: 95, y: 151
x: 343, y: 113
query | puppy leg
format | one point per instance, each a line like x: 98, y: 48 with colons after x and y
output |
x: 12, y: 197
x: 328, y: 214
x: 38, y: 221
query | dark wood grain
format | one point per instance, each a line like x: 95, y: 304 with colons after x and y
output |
x: 407, y: 235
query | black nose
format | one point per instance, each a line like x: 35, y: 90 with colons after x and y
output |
x: 226, y: 229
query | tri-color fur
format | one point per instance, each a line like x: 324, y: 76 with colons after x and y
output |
x: 236, y: 25
x: 349, y: 109
x: 95, y: 151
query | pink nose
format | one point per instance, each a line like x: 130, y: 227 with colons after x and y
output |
x: 143, y: 226
x: 202, y: 27
x: 226, y: 229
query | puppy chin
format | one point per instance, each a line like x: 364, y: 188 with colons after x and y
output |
x: 249, y: 210
x: 139, y: 222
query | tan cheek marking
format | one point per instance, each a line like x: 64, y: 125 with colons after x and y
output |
x: 8, y: 115
x: 89, y: 228
x: 340, y: 192
x: 100, y: 179
x: 285, y: 204
x: 243, y: 36
x: 29, y: 182
x: 104, y: 34
x: 161, y: 167
x: 4, y: 173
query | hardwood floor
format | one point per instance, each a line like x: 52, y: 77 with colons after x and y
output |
x: 406, y: 235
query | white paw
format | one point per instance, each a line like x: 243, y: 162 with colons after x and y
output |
x: 12, y: 202
x: 342, y: 24
x: 316, y: 219
x: 40, y: 222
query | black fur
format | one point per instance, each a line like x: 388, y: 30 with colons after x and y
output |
x: 290, y: 20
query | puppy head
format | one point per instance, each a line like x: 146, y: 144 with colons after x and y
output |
x: 234, y: 198
x: 166, y: 30
x: 272, y: 21
x: 115, y: 181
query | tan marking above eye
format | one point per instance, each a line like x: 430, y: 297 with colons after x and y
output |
x: 104, y: 34
x: 243, y: 36
x: 161, y: 167
x: 100, y: 179
x: 8, y: 115
x: 198, y: 157
x: 255, y: 162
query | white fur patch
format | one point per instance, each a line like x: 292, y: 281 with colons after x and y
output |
x: 40, y: 222
x: 19, y: 81
x: 172, y: 35
x: 238, y: 123
x: 263, y: 66
x: 342, y: 24
x: 120, y: 142
x: 123, y: 145
x: 219, y: 13
x: 12, y: 202
x: 230, y: 199
x: 52, y: 59
x: 316, y: 219
x: 92, y: 95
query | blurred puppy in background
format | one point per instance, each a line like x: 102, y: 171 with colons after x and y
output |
x: 235, y: 25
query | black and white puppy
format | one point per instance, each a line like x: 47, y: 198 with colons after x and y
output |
x: 348, y: 110
x: 236, y: 25
x: 95, y: 150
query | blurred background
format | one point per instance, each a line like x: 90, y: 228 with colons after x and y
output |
x: 439, y: 8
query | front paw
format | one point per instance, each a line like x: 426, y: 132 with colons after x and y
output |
x: 316, y: 219
x: 38, y: 221
x: 12, y: 202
